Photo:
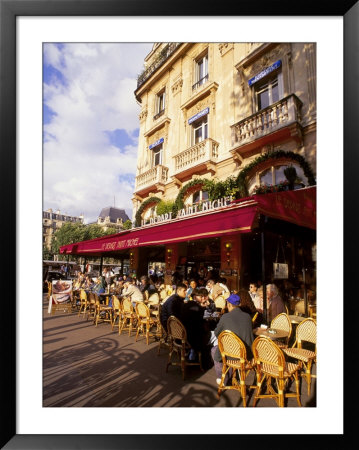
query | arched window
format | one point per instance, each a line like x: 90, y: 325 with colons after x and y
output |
x: 274, y: 174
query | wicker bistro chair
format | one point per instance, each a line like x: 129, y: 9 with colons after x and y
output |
x: 282, y: 322
x: 270, y: 364
x: 103, y: 312
x: 91, y: 306
x: 220, y: 302
x: 162, y: 335
x: 177, y: 337
x: 83, y: 301
x: 306, y: 332
x: 145, y: 321
x: 117, y: 312
x: 234, y: 356
x: 153, y: 304
x: 129, y: 318
x: 299, y: 308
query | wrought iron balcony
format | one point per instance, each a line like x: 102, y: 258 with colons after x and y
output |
x: 275, y: 117
x: 163, y: 55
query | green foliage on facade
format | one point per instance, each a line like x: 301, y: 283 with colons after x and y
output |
x: 237, y: 187
x: 243, y: 174
x: 143, y: 206
x: 164, y: 206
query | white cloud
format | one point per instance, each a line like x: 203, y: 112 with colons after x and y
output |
x: 93, y: 94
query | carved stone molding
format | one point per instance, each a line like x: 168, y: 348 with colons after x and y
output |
x: 266, y: 60
x: 177, y: 86
x: 225, y: 47
x: 143, y: 114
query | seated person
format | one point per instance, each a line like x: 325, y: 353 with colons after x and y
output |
x: 172, y: 306
x: 100, y: 285
x: 132, y: 291
x: 240, y: 323
x: 274, y: 302
x: 147, y: 286
x: 248, y: 306
x: 192, y: 286
x: 198, y: 332
x: 88, y: 283
x: 215, y: 289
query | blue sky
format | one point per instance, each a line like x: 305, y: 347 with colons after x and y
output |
x: 91, y: 125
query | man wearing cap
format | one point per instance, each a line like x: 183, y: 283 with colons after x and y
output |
x: 240, y: 323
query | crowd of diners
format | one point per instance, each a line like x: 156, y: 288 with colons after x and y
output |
x: 193, y: 300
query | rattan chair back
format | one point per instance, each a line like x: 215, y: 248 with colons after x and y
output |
x: 299, y: 307
x: 142, y: 310
x: 116, y: 303
x: 306, y: 331
x: 154, y: 299
x: 231, y: 346
x: 176, y: 329
x: 127, y: 306
x: 265, y: 351
x: 282, y: 322
x: 163, y: 294
x: 220, y: 302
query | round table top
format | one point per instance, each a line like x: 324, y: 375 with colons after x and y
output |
x: 279, y: 334
x: 296, y: 319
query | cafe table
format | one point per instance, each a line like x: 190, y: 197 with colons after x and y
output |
x: 105, y: 297
x: 277, y: 334
x: 296, y: 319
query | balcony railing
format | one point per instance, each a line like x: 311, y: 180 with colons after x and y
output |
x: 163, y: 55
x: 281, y: 114
x: 159, y: 114
x: 200, y: 82
x: 158, y: 174
x: 205, y: 151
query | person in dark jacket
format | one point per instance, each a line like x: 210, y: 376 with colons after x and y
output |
x: 192, y: 314
x: 172, y: 306
x: 240, y: 323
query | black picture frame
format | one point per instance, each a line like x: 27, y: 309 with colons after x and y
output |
x: 9, y: 10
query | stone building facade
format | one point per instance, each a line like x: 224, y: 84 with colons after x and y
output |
x: 208, y: 110
x: 53, y: 221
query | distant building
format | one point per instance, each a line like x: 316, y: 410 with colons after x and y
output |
x: 111, y: 217
x: 53, y: 221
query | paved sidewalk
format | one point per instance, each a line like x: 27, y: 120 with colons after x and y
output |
x: 84, y: 365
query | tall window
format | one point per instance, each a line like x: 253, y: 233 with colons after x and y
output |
x: 157, y: 155
x: 200, y: 130
x: 201, y: 72
x: 160, y: 104
x: 267, y: 92
x: 200, y: 196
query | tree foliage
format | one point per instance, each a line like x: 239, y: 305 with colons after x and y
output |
x: 127, y: 225
x: 70, y: 233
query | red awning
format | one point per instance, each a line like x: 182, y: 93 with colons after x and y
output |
x: 237, y: 218
x: 298, y: 207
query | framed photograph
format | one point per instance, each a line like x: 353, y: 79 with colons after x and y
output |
x: 21, y: 129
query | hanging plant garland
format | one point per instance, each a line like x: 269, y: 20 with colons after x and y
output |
x: 242, y: 177
x: 149, y: 201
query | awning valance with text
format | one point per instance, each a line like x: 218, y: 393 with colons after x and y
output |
x: 298, y: 207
